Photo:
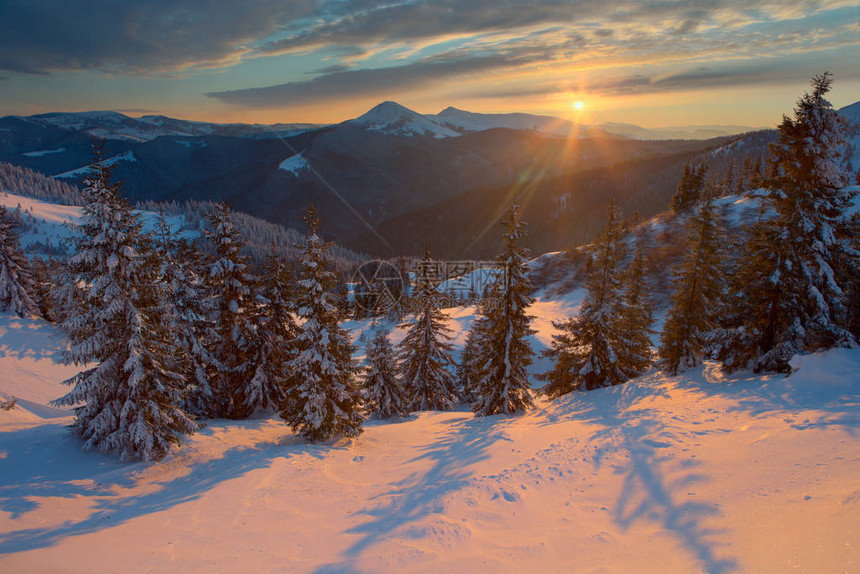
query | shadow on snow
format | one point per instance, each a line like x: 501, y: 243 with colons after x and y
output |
x: 635, y: 441
x: 422, y: 493
x: 45, y: 461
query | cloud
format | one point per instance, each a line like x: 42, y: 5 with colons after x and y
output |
x: 794, y: 68
x: 359, y: 22
x: 158, y: 36
x: 367, y: 23
x: 375, y: 81
x: 141, y: 37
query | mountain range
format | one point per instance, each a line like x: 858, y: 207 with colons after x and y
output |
x: 390, y: 180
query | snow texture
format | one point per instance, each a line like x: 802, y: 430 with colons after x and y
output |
x: 702, y: 472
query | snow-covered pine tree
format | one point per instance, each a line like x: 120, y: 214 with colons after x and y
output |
x: 634, y: 348
x: 502, y: 348
x: 323, y: 399
x: 187, y: 313
x: 384, y: 397
x: 231, y: 339
x: 18, y: 287
x: 275, y: 330
x: 129, y: 401
x: 689, y: 188
x: 425, y: 361
x: 467, y: 366
x: 698, y: 297
x: 789, y: 296
x: 586, y: 351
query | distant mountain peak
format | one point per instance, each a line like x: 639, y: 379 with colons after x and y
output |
x: 450, y: 110
x: 391, y: 118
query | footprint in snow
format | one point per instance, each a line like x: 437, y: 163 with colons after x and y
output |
x: 655, y: 443
x: 506, y: 495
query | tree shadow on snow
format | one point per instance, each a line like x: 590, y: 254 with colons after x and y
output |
x: 637, y: 443
x: 804, y: 403
x: 422, y: 493
x: 45, y: 461
x: 30, y: 338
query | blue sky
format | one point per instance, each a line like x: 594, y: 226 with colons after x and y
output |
x: 652, y: 63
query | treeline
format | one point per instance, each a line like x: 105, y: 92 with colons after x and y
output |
x: 259, y: 234
x: 178, y: 336
x: 169, y: 336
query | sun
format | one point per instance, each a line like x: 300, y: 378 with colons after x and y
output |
x: 578, y: 105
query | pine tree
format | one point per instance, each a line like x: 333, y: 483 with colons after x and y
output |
x: 697, y: 300
x: 323, y: 399
x: 849, y: 272
x: 467, y: 367
x: 689, y: 188
x: 587, y: 349
x: 275, y: 330
x: 634, y: 348
x: 131, y: 397
x: 187, y: 314
x: 231, y: 339
x: 502, y: 350
x: 384, y: 397
x: 425, y: 353
x: 790, y: 297
x: 18, y: 287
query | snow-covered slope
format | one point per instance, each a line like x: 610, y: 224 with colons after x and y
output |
x: 47, y: 225
x: 82, y: 171
x: 473, y: 122
x: 117, y: 126
x: 295, y: 164
x: 851, y: 113
x: 696, y: 473
x: 391, y: 118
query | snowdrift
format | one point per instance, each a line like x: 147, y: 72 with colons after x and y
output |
x: 695, y: 473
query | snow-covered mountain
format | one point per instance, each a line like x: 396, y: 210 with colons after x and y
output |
x: 391, y: 118
x: 117, y: 126
x: 675, y: 133
x: 464, y: 121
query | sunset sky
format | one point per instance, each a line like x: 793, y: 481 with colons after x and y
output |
x: 657, y: 63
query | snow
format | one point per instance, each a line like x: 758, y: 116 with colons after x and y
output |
x: 43, y: 152
x: 475, y: 122
x: 699, y: 472
x: 391, y: 118
x: 50, y: 223
x: 83, y: 171
x: 295, y: 164
x: 51, y: 220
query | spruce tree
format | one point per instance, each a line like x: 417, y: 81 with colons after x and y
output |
x: 129, y: 401
x: 467, y: 366
x: 425, y: 353
x: 790, y: 297
x: 275, y: 330
x: 231, y: 338
x: 502, y: 352
x: 18, y: 287
x: 384, y: 397
x: 323, y: 399
x: 697, y: 300
x: 586, y: 351
x: 689, y: 188
x: 187, y: 314
x: 634, y: 348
